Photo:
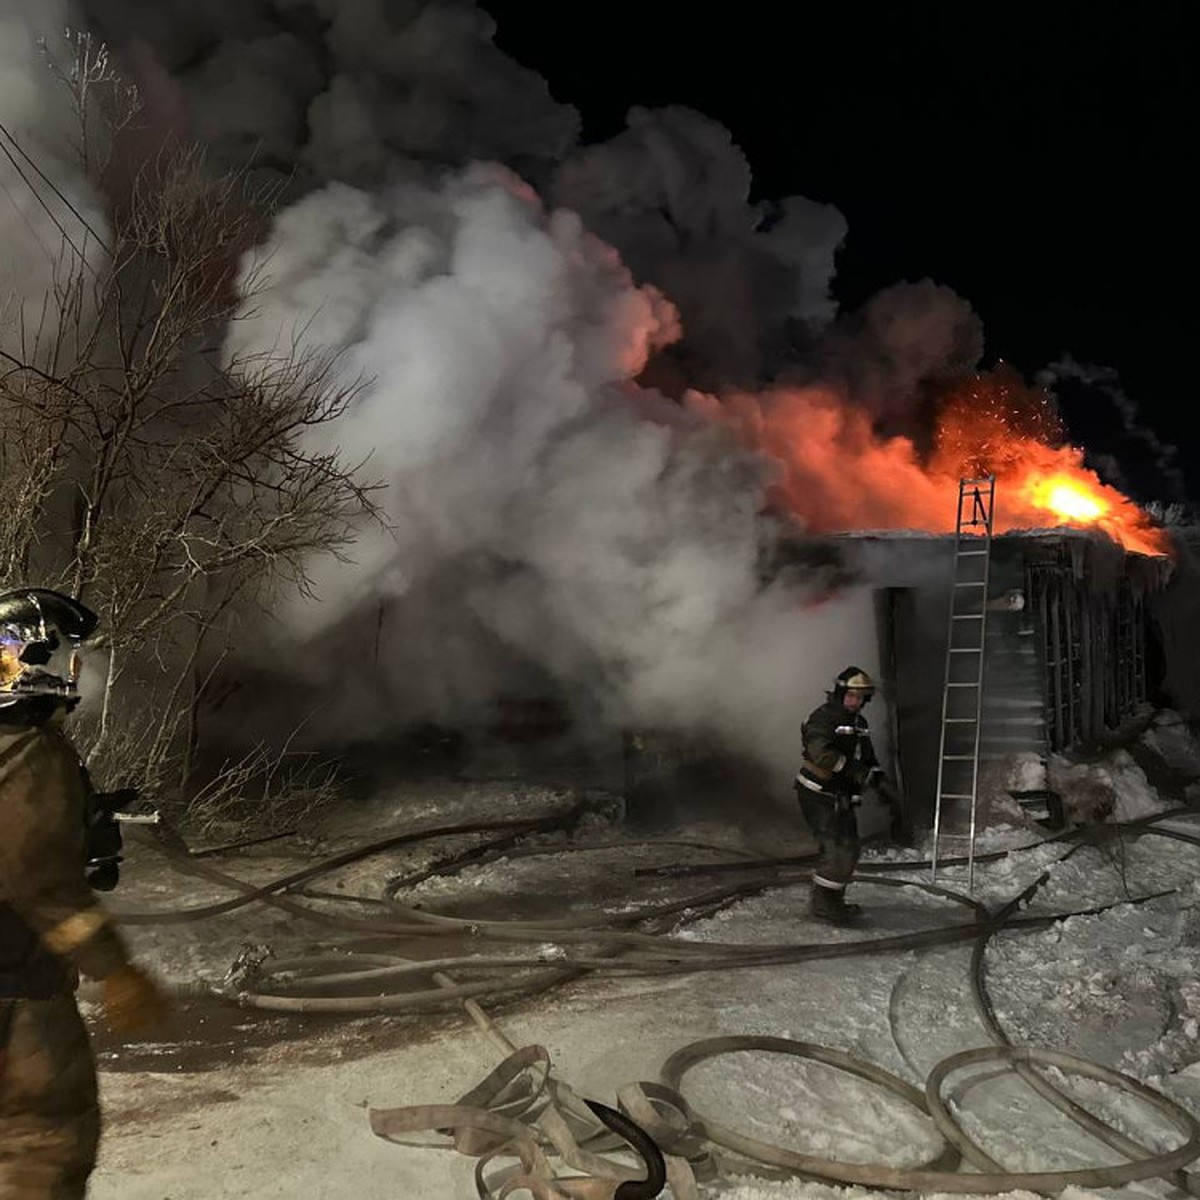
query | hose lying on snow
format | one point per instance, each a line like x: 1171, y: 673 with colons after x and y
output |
x: 644, y: 1144
x: 615, y: 946
x: 519, y: 1111
x: 1065, y: 1103
x: 497, y: 1120
x: 992, y: 1178
x: 626, y: 950
x: 694, y: 1134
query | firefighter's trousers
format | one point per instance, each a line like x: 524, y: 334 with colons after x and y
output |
x: 835, y: 826
x: 49, y: 1114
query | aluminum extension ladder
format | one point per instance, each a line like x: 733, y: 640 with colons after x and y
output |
x: 962, y: 692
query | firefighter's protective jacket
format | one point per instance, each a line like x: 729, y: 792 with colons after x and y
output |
x: 51, y: 925
x: 838, y: 754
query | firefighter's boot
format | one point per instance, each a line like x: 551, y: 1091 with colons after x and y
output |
x: 829, y: 905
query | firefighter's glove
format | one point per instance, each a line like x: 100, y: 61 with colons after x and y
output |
x: 133, y: 1002
x: 860, y: 778
x: 901, y: 830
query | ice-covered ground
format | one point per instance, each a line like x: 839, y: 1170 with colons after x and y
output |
x: 288, y: 1116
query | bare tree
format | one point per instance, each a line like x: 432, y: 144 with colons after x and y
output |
x: 165, y: 488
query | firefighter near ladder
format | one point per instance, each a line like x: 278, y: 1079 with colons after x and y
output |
x: 839, y: 766
x: 56, y: 847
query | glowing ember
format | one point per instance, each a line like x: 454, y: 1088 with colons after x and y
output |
x: 837, y: 474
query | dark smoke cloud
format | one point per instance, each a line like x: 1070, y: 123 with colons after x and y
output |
x: 366, y: 92
x: 905, y: 336
x: 672, y: 194
x: 352, y: 90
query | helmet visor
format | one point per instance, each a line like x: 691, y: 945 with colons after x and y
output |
x: 33, y: 664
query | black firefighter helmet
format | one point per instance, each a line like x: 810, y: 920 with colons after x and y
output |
x: 40, y: 634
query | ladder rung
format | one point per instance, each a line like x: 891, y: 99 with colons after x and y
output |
x: 970, y: 583
x: 965, y: 650
x: 960, y: 720
x: 967, y: 683
x: 967, y: 617
x: 958, y: 758
x: 970, y: 553
x: 955, y: 796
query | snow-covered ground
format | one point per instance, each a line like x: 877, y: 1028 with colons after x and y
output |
x: 251, y: 1104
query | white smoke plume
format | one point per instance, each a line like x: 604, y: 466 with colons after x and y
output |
x: 542, y: 505
x: 52, y: 225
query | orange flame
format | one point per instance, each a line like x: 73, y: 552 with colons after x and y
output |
x: 837, y: 474
x: 1066, y: 498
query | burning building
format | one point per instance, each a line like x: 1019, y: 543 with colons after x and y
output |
x: 1082, y: 589
x: 1070, y: 651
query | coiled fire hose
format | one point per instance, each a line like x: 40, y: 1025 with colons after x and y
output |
x: 992, y: 1178
x: 519, y: 1107
x: 655, y: 955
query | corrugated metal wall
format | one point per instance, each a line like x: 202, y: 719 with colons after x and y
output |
x: 1014, y: 718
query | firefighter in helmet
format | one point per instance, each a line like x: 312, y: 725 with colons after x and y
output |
x: 51, y: 925
x: 839, y: 764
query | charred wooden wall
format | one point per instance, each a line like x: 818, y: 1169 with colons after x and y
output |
x: 1090, y: 625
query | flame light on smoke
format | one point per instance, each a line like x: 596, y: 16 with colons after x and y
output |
x: 837, y: 473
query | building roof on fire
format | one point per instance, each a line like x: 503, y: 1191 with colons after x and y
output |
x: 911, y: 557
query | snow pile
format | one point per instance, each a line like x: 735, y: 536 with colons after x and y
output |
x: 1171, y: 738
x: 1026, y: 772
x: 1114, y: 787
x: 999, y: 880
x: 1122, y: 866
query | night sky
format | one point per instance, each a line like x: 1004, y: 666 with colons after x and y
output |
x: 1038, y: 169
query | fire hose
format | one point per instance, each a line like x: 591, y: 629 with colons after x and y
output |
x: 656, y: 955
x: 991, y: 1178
x: 990, y: 1175
x: 1086, y: 1120
x: 498, y: 1116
